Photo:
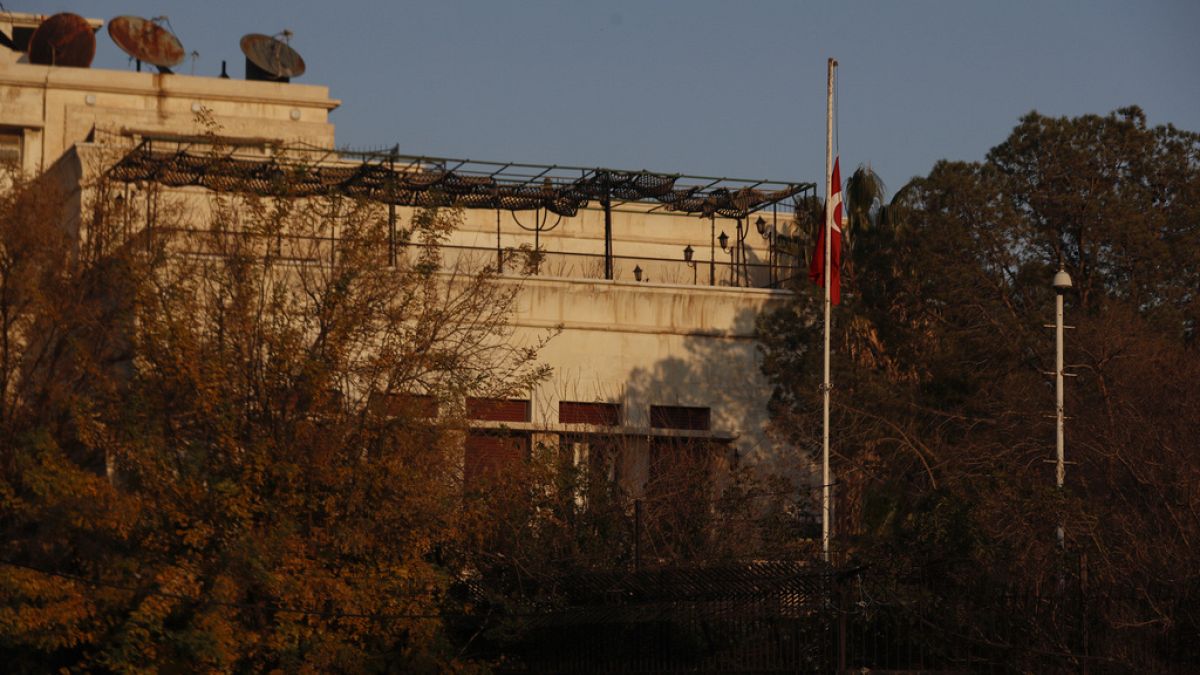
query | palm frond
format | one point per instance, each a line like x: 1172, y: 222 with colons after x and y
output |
x: 864, y: 197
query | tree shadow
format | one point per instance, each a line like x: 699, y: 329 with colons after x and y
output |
x: 720, y: 370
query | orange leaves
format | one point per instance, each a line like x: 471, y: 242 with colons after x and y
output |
x: 44, y: 610
x: 202, y: 463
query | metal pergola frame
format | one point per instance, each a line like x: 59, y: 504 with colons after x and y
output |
x: 387, y: 176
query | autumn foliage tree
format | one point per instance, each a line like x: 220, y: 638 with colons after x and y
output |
x: 218, y: 446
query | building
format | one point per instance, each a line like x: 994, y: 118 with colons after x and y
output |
x: 655, y: 279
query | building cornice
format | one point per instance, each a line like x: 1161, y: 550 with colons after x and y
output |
x: 174, y: 85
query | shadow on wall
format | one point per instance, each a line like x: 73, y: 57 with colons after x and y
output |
x: 724, y: 374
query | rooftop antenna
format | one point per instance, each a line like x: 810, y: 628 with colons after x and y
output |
x: 145, y: 40
x: 271, y: 59
x: 64, y: 39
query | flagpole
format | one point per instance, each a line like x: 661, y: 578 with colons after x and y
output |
x: 826, y: 384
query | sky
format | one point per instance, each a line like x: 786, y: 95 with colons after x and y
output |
x: 702, y: 87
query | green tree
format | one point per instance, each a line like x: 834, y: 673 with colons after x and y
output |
x: 940, y: 436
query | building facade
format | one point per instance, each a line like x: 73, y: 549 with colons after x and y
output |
x: 654, y: 280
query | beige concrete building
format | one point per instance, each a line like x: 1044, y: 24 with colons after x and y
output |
x: 655, y: 279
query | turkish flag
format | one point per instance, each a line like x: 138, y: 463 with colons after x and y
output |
x: 833, y: 218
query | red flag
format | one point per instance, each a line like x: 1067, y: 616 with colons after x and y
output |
x: 816, y: 268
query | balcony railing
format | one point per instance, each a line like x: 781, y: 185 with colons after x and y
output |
x: 728, y: 269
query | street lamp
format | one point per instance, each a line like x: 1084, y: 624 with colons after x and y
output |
x: 1062, y: 281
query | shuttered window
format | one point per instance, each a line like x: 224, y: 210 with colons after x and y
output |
x: 601, y: 414
x: 490, y: 453
x: 498, y: 409
x: 10, y: 147
x: 680, y: 417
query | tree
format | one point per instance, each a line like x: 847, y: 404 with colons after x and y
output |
x: 941, y: 439
x: 218, y: 451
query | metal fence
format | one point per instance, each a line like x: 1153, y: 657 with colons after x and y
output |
x: 796, y: 617
x: 723, y: 270
x: 764, y: 617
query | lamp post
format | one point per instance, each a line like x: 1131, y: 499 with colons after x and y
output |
x: 723, y: 240
x: 1062, y: 281
x: 768, y: 233
x: 688, y: 252
x: 712, y: 251
x: 739, y: 252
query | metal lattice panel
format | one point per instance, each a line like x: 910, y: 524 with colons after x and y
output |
x: 429, y: 182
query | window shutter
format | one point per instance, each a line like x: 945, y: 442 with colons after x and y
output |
x: 601, y: 414
x: 487, y: 454
x: 498, y: 410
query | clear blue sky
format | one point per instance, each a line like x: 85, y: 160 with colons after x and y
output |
x: 705, y: 87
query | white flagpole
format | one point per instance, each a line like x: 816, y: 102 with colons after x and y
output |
x: 826, y: 385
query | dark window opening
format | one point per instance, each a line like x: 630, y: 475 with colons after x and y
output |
x: 20, y: 38
x: 680, y: 417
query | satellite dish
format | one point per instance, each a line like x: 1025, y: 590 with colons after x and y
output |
x: 146, y: 41
x: 64, y: 39
x: 270, y: 59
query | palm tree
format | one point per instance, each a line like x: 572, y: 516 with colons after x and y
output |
x: 868, y: 216
x: 878, y: 223
x: 866, y: 208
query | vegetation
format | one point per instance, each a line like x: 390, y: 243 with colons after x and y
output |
x: 232, y: 440
x: 941, y: 361
x: 214, y: 451
x: 217, y: 450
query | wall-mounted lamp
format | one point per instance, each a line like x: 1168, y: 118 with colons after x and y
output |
x: 688, y: 254
x: 637, y: 273
x: 762, y: 226
x: 723, y: 240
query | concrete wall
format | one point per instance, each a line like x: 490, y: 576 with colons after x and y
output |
x: 655, y: 344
